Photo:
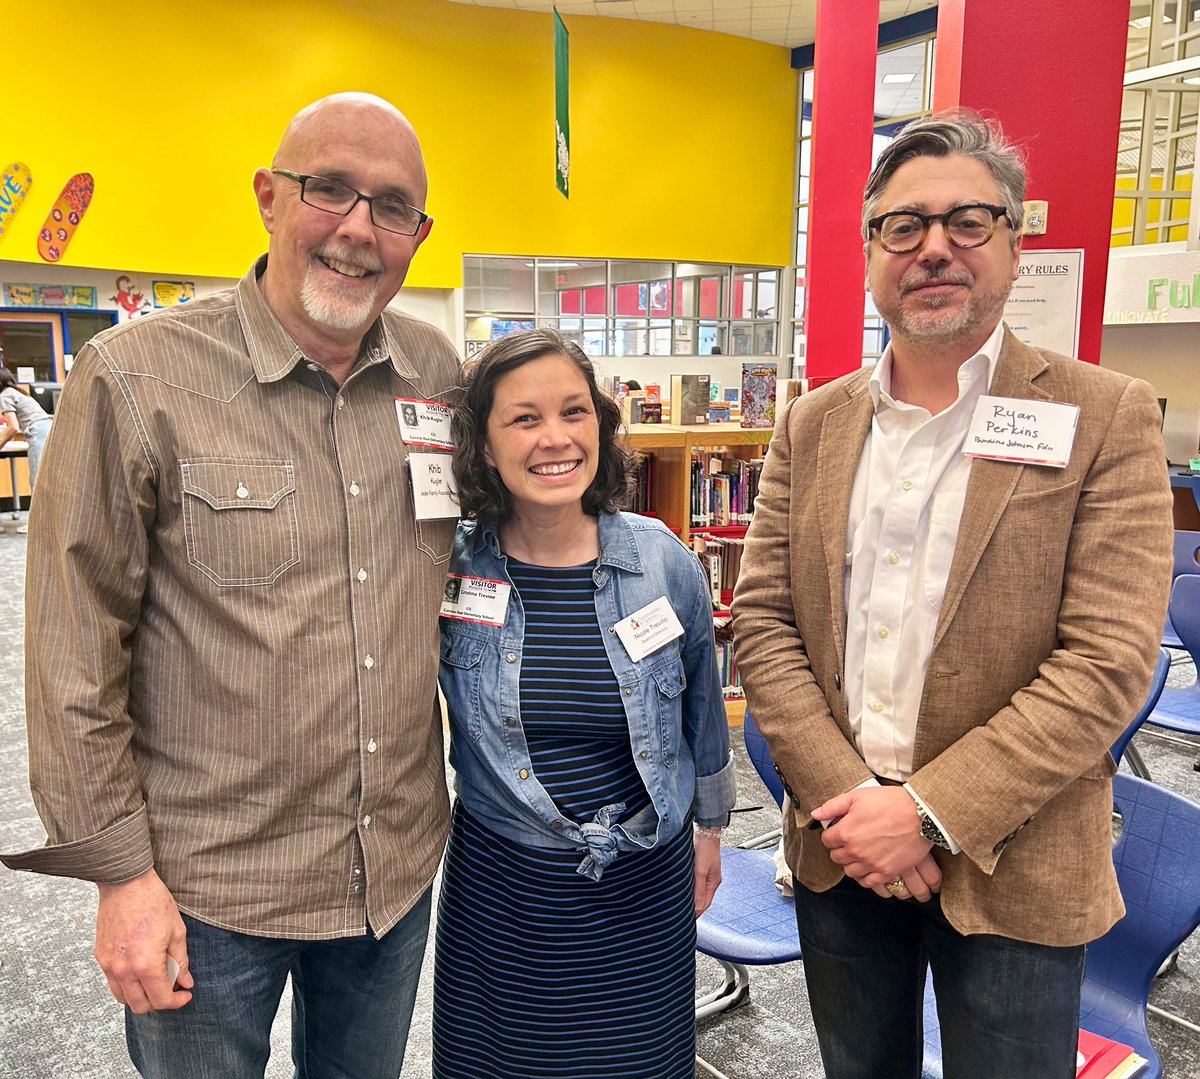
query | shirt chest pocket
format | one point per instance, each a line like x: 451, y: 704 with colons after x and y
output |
x: 461, y: 678
x: 239, y: 520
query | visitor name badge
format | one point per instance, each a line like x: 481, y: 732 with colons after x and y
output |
x: 1026, y: 432
x: 475, y: 599
x: 432, y: 486
x: 424, y: 423
x: 648, y: 629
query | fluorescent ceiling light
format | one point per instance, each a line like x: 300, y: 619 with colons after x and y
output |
x: 1195, y: 80
x: 899, y: 76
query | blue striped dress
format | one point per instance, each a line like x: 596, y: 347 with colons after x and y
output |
x: 540, y: 972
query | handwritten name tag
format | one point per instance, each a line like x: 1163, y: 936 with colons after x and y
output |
x: 475, y: 599
x: 432, y: 486
x: 424, y: 423
x: 1027, y: 432
x: 649, y: 628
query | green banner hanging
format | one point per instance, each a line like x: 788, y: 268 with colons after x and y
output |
x: 562, y: 107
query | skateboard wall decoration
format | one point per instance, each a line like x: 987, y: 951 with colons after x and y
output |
x: 15, y: 183
x: 64, y: 217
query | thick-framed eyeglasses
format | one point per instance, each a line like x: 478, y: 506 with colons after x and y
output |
x: 387, y: 211
x: 902, y: 231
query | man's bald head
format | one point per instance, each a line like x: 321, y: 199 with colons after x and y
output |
x: 312, y: 126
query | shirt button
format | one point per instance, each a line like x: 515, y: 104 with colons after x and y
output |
x: 628, y: 692
x: 509, y: 721
x: 893, y: 559
x: 557, y: 826
x: 357, y: 888
x: 372, y: 745
x: 341, y: 402
x: 883, y: 633
x: 241, y: 491
x: 362, y: 574
x: 643, y: 755
x: 314, y: 367
x: 906, y: 485
x: 367, y: 821
x: 510, y: 658
x: 524, y: 773
x: 354, y: 488
x: 877, y: 706
x: 369, y: 662
x: 357, y: 872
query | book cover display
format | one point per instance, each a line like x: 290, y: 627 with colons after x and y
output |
x: 758, y: 394
x: 689, y: 398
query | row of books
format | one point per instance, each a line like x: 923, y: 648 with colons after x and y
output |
x: 721, y: 558
x: 723, y: 490
x: 731, y: 679
x: 641, y: 493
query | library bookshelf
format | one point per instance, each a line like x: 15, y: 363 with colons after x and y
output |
x: 671, y: 448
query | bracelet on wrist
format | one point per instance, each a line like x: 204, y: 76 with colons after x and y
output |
x: 715, y: 832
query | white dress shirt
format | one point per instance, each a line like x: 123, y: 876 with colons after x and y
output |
x: 905, y: 508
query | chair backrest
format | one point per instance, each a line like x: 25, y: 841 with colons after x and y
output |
x: 1157, y: 681
x: 1187, y: 552
x: 1158, y: 867
x: 760, y: 757
x: 1184, y: 612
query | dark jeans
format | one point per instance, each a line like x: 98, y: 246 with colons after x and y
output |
x: 352, y: 1001
x: 1006, y: 1007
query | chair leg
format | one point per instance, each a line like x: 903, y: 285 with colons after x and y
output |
x: 706, y: 1067
x: 733, y: 991
x: 1171, y: 1017
x: 1137, y: 764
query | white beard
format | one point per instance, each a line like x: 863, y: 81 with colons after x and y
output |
x: 323, y: 306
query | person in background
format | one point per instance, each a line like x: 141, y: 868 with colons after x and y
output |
x: 231, y: 638
x: 940, y: 642
x: 588, y: 737
x: 23, y: 418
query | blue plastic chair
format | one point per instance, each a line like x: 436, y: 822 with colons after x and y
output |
x: 1179, y: 709
x: 750, y: 923
x: 1187, y: 560
x: 1158, y: 868
x: 1157, y: 681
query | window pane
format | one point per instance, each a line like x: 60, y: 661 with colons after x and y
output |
x: 764, y: 303
x: 900, y: 81
x: 742, y: 296
x: 28, y: 344
x: 566, y: 285
x: 498, y: 285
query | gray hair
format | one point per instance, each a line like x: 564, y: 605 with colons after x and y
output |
x: 959, y: 131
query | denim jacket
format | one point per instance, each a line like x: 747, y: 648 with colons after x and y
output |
x: 672, y: 698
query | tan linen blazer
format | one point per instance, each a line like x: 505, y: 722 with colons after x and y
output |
x: 1043, y: 651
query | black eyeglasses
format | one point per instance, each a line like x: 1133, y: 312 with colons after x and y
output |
x: 333, y: 196
x: 902, y: 231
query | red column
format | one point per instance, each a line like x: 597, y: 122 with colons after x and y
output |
x: 843, y: 122
x: 1050, y: 71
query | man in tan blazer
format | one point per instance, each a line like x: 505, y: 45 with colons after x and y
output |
x: 940, y: 647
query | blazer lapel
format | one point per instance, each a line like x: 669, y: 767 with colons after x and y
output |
x: 991, y: 483
x: 843, y: 432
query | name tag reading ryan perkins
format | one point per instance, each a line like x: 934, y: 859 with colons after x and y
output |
x: 1026, y: 432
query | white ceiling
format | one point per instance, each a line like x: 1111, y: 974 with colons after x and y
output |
x: 777, y: 22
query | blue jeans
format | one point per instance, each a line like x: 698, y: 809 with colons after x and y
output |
x: 36, y: 436
x: 1006, y: 1007
x: 352, y: 1002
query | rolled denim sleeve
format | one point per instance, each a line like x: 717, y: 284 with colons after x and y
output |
x: 705, y: 725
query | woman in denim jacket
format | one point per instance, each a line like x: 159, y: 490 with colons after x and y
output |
x: 588, y: 734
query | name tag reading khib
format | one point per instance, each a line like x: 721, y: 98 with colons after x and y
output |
x: 475, y: 599
x: 648, y: 629
x: 1027, y: 432
x: 424, y: 423
x: 432, y: 486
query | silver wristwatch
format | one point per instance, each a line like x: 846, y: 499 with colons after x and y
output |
x: 930, y: 830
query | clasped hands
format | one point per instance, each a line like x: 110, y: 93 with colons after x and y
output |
x: 876, y: 838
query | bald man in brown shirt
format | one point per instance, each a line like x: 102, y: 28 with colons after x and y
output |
x: 232, y: 633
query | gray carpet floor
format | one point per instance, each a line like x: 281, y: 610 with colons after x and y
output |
x: 57, y: 1020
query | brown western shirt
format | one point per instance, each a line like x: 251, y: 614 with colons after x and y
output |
x: 232, y: 640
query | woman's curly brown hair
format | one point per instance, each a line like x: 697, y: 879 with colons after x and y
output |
x: 481, y: 493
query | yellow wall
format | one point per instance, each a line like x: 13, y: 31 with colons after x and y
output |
x: 682, y: 140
